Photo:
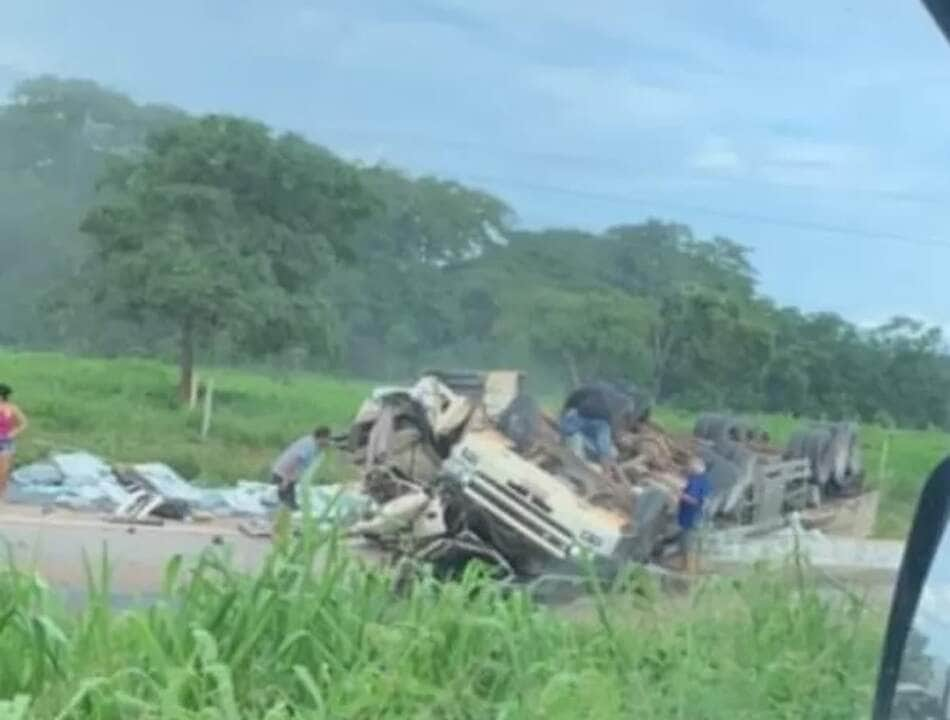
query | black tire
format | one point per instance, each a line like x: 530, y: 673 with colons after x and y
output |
x: 702, y: 427
x: 816, y: 450
x: 795, y: 448
x: 649, y: 519
x: 719, y: 428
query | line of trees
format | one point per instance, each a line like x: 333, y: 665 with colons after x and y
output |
x: 131, y: 228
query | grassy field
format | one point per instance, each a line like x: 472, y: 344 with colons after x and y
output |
x: 291, y: 643
x: 127, y: 410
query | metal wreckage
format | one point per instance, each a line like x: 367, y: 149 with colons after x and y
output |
x: 466, y: 466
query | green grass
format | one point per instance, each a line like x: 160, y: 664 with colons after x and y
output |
x: 294, y: 643
x: 127, y: 410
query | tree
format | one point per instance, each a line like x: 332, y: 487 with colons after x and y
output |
x: 709, y: 348
x: 916, y: 383
x: 55, y: 136
x: 403, y: 301
x: 591, y: 334
x: 428, y: 220
x: 221, y: 225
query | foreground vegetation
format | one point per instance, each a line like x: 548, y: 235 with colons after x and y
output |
x: 127, y: 410
x: 294, y: 643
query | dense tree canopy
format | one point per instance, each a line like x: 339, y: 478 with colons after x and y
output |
x: 132, y: 228
x: 220, y: 226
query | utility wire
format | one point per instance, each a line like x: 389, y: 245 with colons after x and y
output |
x: 602, y: 162
x: 627, y: 198
x: 790, y: 223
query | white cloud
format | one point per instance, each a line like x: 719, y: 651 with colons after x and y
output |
x: 813, y: 154
x: 609, y: 99
x: 716, y: 155
x: 817, y: 164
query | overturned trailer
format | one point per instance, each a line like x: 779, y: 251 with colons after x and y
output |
x: 819, y: 475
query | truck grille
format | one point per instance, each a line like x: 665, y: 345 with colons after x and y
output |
x: 517, y: 510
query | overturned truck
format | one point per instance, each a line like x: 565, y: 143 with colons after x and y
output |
x: 465, y: 465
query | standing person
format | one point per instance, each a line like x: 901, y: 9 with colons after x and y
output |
x: 12, y: 423
x: 690, y: 514
x: 295, y: 460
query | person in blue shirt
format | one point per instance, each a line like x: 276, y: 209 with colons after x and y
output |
x: 690, y: 514
x: 295, y: 460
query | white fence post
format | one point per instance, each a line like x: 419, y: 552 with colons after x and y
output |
x: 208, y: 406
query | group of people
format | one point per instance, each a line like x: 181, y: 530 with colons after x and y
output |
x: 594, y: 421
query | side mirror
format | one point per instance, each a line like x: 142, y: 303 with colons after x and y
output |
x: 914, y: 675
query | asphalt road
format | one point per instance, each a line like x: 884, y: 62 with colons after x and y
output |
x: 56, y: 545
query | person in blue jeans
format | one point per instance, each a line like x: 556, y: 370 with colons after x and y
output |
x: 690, y: 514
x: 594, y: 417
x: 590, y: 437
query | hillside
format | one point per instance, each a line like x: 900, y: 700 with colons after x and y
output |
x: 127, y: 410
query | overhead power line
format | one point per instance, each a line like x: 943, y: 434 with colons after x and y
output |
x: 841, y: 230
x: 615, y: 164
x: 761, y: 219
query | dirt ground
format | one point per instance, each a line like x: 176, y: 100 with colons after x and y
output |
x: 55, y: 544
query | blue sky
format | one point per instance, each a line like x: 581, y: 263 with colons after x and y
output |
x: 815, y: 132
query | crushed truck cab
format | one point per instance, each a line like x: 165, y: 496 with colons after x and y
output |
x: 545, y: 510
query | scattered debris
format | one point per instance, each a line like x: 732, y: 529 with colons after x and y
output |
x: 153, y: 491
x: 256, y: 528
x: 139, y: 506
